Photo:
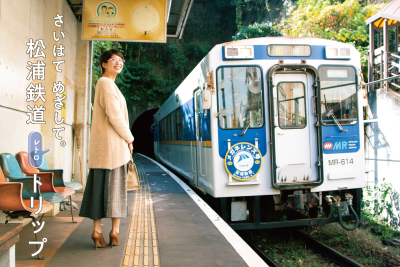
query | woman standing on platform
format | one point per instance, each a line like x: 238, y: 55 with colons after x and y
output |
x: 109, y: 152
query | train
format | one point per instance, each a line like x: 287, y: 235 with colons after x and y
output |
x: 270, y: 129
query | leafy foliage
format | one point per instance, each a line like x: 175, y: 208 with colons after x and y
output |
x: 257, y: 11
x: 256, y: 30
x: 343, y: 22
x: 381, y: 205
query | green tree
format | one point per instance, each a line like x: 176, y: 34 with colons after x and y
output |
x: 343, y: 22
x: 381, y: 204
x: 256, y: 30
x: 257, y: 11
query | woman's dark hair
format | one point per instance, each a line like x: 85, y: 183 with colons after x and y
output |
x: 107, y: 55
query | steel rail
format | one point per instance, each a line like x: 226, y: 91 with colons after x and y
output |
x: 270, y: 261
x: 328, y: 252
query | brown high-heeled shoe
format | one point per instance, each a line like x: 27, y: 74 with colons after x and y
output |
x: 98, y: 240
x: 114, y: 241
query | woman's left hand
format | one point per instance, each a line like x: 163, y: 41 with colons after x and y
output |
x: 130, y: 148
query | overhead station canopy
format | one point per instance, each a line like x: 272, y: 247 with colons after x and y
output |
x: 391, y: 12
x: 177, y: 16
x: 178, y: 12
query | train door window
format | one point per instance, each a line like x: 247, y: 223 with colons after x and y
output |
x: 338, y: 95
x: 291, y: 103
x: 178, y: 124
x: 198, y: 111
x: 240, y: 97
x: 197, y: 104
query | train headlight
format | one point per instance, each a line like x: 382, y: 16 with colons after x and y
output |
x: 232, y: 52
x: 335, y: 52
x: 239, y: 52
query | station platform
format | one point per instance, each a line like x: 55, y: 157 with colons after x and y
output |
x: 168, y: 225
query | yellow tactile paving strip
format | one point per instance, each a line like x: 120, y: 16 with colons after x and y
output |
x: 142, y: 245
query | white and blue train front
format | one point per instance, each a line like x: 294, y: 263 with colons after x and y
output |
x: 272, y: 128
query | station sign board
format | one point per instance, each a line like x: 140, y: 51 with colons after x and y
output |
x: 128, y: 21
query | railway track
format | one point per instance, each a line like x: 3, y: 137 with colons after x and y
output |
x: 328, y: 252
x: 316, y: 246
x: 267, y: 258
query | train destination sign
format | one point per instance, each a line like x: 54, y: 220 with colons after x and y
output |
x: 289, y: 50
x: 243, y: 161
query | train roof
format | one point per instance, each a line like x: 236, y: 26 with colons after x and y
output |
x: 284, y: 40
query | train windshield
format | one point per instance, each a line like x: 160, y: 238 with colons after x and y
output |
x: 338, y: 95
x: 240, y: 100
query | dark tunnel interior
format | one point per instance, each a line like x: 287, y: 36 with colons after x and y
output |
x: 143, y: 142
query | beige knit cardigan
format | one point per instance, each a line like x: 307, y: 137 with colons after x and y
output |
x: 110, y: 133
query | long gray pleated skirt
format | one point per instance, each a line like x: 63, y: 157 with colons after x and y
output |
x: 105, y: 194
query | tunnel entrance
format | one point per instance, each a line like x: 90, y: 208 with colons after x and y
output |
x: 143, y: 142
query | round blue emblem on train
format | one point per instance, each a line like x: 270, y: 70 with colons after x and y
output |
x: 243, y: 161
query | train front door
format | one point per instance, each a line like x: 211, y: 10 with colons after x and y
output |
x: 294, y: 131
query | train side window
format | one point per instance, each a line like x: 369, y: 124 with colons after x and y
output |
x: 291, y: 103
x: 160, y: 137
x: 240, y: 97
x: 164, y: 129
x: 171, y: 127
x: 338, y: 95
x: 178, y: 123
x: 167, y: 135
x: 159, y: 131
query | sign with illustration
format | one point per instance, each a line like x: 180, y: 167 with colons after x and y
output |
x: 120, y: 20
x: 243, y: 161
